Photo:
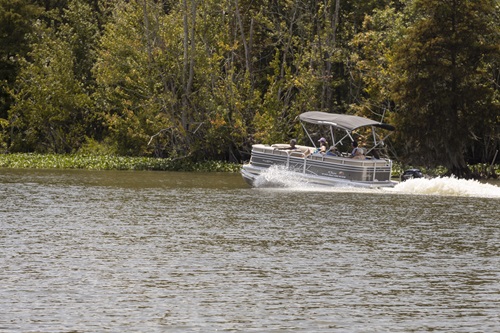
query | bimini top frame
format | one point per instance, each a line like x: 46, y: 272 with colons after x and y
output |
x: 345, y: 122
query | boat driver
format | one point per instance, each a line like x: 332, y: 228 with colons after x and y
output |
x: 357, y: 153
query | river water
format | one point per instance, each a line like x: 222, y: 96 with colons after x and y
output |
x: 105, y: 251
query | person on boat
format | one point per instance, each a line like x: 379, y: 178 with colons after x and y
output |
x: 292, y: 146
x: 332, y: 151
x: 323, y: 144
x: 357, y: 152
x: 375, y: 155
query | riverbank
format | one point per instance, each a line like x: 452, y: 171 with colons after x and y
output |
x: 110, y: 162
x: 103, y: 162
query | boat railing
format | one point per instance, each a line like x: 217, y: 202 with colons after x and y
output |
x: 304, y: 153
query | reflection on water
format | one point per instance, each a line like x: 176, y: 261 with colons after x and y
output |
x: 86, y: 251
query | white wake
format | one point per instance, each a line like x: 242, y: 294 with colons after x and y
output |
x: 449, y: 186
x: 280, y: 177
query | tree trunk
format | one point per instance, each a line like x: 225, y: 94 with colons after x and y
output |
x: 331, y: 44
x: 188, y: 63
x: 243, y: 38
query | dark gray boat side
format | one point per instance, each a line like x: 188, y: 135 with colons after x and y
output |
x: 322, y: 169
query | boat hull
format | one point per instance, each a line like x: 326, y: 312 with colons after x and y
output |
x: 319, y: 169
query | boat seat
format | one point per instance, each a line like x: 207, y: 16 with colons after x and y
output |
x: 297, y: 154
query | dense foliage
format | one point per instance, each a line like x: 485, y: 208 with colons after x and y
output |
x: 109, y: 162
x: 203, y: 80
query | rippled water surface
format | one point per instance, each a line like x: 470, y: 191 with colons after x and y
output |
x: 86, y: 251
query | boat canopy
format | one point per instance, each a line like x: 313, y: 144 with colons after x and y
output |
x: 344, y: 121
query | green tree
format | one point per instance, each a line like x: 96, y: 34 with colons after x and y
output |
x: 83, y: 35
x: 16, y: 20
x: 302, y: 73
x: 228, y: 78
x: 370, y: 67
x: 443, y: 88
x: 49, y: 103
x: 311, y: 68
x: 137, y: 76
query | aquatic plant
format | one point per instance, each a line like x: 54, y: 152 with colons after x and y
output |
x: 109, y: 162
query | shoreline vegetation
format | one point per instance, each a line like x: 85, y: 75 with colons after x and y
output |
x: 112, y: 162
x: 204, y: 80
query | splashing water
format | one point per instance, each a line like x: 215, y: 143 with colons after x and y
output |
x: 448, y: 186
x: 280, y: 176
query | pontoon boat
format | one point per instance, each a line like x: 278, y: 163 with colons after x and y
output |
x: 367, y: 170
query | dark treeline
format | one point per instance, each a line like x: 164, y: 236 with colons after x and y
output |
x: 206, y: 79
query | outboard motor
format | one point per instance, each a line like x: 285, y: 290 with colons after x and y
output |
x: 411, y: 173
